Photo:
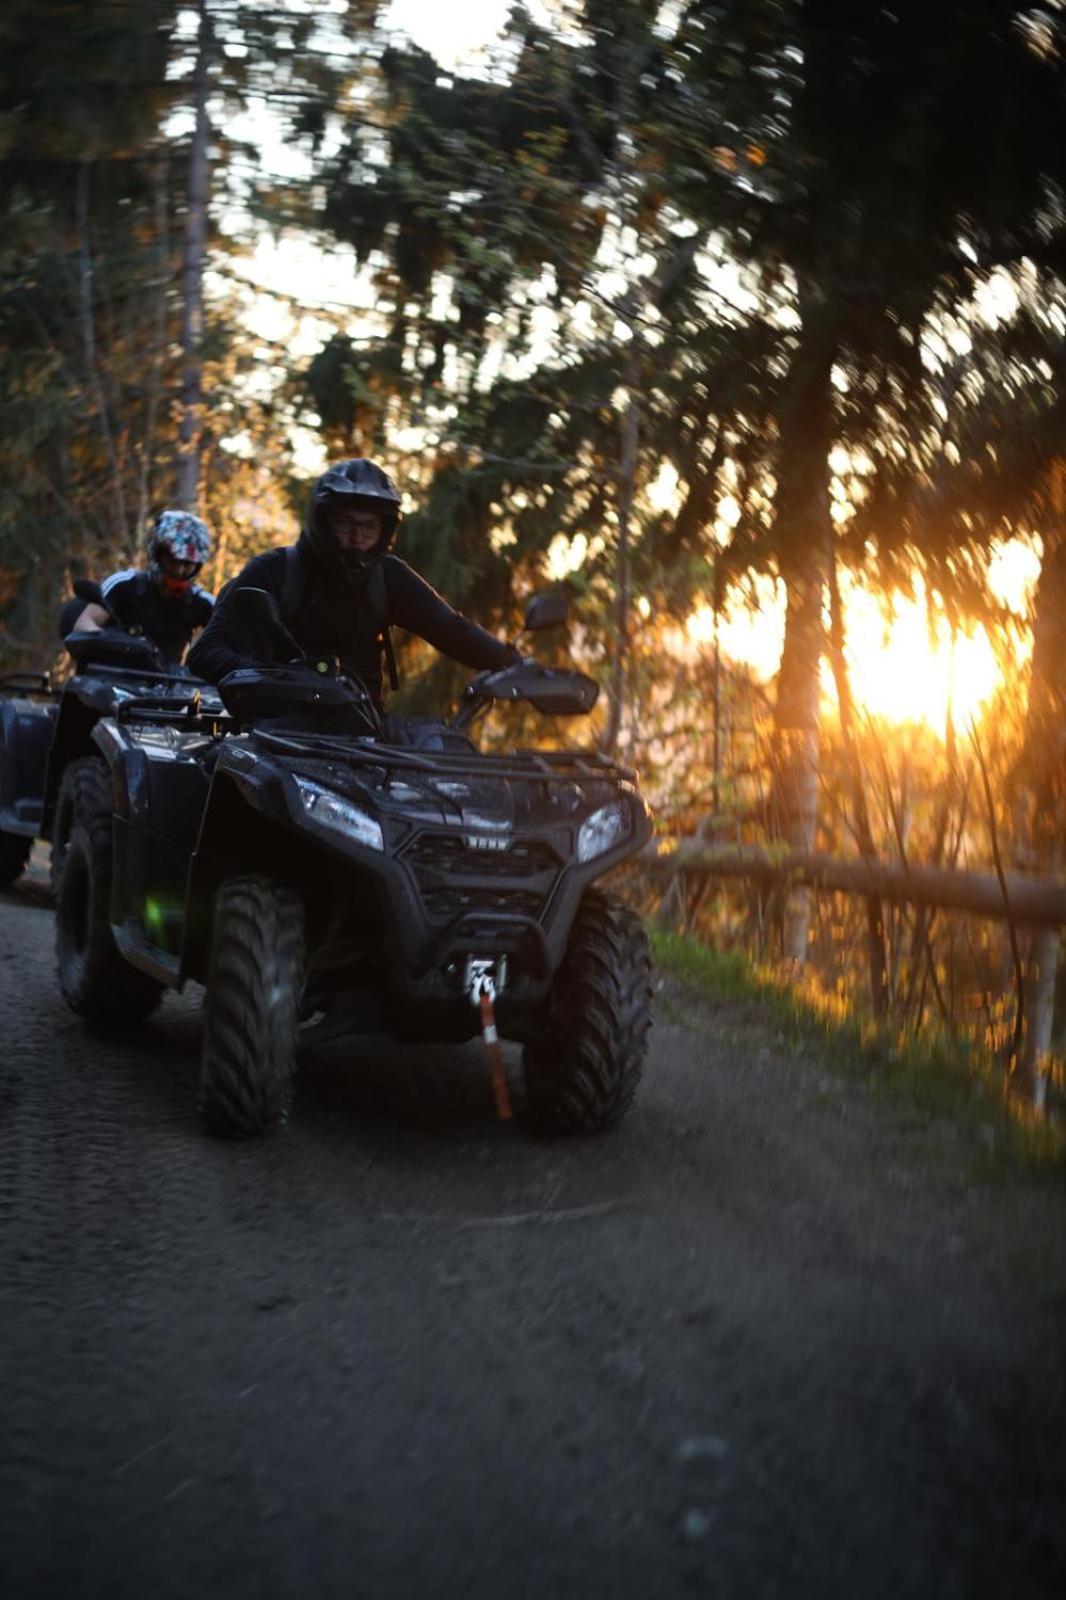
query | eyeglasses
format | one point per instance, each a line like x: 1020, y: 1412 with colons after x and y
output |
x: 353, y: 522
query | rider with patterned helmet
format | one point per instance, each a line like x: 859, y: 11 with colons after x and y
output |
x: 178, y: 546
x: 163, y: 602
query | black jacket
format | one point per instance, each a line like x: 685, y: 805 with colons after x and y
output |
x: 331, y: 621
x: 169, y: 623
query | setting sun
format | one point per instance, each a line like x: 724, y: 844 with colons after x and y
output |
x: 901, y: 673
x: 899, y: 669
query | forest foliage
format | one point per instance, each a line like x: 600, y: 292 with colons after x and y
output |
x: 682, y: 305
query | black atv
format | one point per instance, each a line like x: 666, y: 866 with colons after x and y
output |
x: 44, y: 727
x: 325, y: 872
x: 29, y: 706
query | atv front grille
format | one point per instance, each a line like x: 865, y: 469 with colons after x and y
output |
x: 452, y: 855
x: 456, y: 877
x: 444, y: 905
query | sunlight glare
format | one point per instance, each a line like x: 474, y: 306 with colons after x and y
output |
x: 1013, y: 571
x: 565, y: 556
x: 751, y: 628
x: 897, y: 672
x: 451, y: 32
x: 664, y: 490
x: 996, y: 298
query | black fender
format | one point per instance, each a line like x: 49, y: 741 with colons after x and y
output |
x: 246, y: 827
x: 83, y: 703
x: 157, y: 807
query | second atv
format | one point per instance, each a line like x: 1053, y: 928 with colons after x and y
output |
x: 47, y: 725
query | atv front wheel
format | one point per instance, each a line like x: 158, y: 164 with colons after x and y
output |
x: 95, y: 981
x: 61, y: 824
x: 582, y: 1073
x: 254, y: 984
x: 14, y: 853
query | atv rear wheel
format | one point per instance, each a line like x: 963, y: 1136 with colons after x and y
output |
x: 254, y: 985
x: 14, y: 853
x: 582, y: 1073
x: 95, y: 981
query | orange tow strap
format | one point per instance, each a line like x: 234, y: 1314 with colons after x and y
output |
x: 492, y: 1047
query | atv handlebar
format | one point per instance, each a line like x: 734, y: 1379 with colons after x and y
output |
x: 115, y: 647
x: 101, y: 646
x: 553, y: 691
x: 266, y: 690
x: 300, y: 687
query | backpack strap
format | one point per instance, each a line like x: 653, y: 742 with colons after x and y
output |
x: 378, y: 596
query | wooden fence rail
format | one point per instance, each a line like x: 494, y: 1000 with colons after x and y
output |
x: 1039, y: 902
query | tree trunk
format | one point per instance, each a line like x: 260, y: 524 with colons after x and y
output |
x: 92, y: 365
x: 627, y: 477
x: 716, y: 695
x: 875, y: 919
x: 159, y: 345
x: 802, y: 530
x: 1043, y: 801
x: 192, y: 319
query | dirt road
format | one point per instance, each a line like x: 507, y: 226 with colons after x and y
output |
x: 770, y: 1339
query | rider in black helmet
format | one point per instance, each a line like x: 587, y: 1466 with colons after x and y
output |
x: 340, y: 589
x: 354, y: 515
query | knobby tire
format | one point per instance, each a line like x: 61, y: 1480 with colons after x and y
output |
x: 581, y: 1074
x: 96, y: 982
x: 254, y: 984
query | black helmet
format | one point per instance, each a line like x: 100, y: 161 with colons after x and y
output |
x: 363, y: 486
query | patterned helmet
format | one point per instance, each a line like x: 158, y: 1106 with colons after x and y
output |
x: 177, y: 536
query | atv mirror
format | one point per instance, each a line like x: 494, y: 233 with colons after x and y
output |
x: 547, y: 610
x: 259, y: 609
x: 256, y: 607
x: 90, y: 592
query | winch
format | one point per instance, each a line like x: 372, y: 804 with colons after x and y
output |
x: 484, y: 978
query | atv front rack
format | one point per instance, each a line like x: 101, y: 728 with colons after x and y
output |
x: 30, y: 683
x: 156, y: 675
x: 161, y: 710
x: 559, y: 766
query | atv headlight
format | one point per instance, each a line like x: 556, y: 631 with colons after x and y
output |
x: 332, y: 811
x: 602, y: 830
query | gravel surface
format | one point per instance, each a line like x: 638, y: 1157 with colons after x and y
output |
x: 770, y: 1338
